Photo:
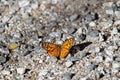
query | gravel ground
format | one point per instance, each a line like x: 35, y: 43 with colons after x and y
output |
x: 94, y: 24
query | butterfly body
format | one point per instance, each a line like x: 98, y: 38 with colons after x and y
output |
x: 60, y: 51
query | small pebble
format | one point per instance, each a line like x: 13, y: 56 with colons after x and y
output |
x: 110, y: 12
x: 73, y: 17
x: 117, y: 13
x: 2, y: 59
x: 23, y: 3
x: 108, y: 5
x: 67, y: 76
x: 109, y: 52
x: 79, y: 31
x: 20, y: 70
x: 118, y: 3
x: 5, y: 72
x: 108, y: 59
x: 2, y: 37
x: 43, y: 5
x: 1, y: 67
x: 92, y: 24
x: 5, y: 19
x: 43, y: 72
x: 117, y: 22
x: 69, y: 63
x: 74, y: 59
x: 34, y: 5
x: 55, y: 34
x: 29, y: 20
x: 71, y: 30
x: 106, y: 24
x: 54, y: 1
x: 91, y: 67
x: 65, y: 30
x: 116, y: 65
x: 101, y: 38
x: 93, y: 35
x: 1, y: 29
x: 98, y: 59
x: 97, y: 49
x: 17, y: 35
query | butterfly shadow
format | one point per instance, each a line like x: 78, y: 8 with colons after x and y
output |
x: 79, y: 47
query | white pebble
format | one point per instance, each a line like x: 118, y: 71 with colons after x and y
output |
x: 108, y: 59
x: 40, y: 61
x: 100, y: 37
x: 109, y: 52
x: 65, y: 30
x: 54, y: 1
x: 42, y: 6
x: 43, y: 72
x: 5, y: 19
x: 117, y: 22
x: 106, y: 24
x: 55, y: 34
x: 118, y: 3
x: 20, y: 70
x: 97, y: 49
x: 68, y: 63
x: 17, y: 35
x: 5, y: 72
x: 92, y: 24
x: 114, y: 31
x: 84, y: 78
x: 79, y: 31
x: 34, y: 6
x: 117, y: 13
x: 23, y: 3
x: 98, y: 59
x: 110, y: 12
x: 108, y: 5
x: 115, y: 65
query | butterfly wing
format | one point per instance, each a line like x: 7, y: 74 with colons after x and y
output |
x: 52, y: 49
x: 65, y: 47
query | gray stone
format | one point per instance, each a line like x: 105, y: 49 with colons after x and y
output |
x: 74, y: 59
x: 2, y: 30
x: 2, y: 59
x: 67, y: 76
x: 73, y: 17
x: 29, y: 20
x: 2, y: 37
x: 93, y: 35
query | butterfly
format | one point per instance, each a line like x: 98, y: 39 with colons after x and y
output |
x: 60, y: 51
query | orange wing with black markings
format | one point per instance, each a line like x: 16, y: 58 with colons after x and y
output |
x: 51, y: 48
x: 65, y: 47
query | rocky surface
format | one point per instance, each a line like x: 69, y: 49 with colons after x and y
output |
x: 94, y: 24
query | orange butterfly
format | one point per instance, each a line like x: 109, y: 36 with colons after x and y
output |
x: 60, y: 51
